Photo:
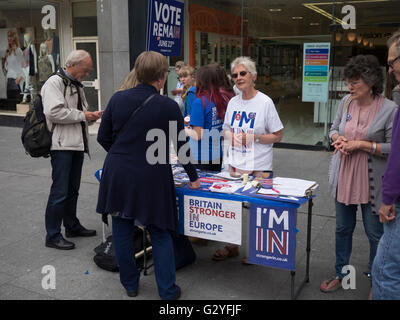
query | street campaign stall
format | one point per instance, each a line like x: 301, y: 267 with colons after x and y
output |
x: 215, y: 212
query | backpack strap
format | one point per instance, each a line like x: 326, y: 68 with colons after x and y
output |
x: 67, y: 82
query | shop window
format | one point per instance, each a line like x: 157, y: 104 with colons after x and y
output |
x: 215, y: 35
x: 84, y: 19
x: 29, y: 50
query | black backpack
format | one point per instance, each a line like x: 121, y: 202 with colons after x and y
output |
x: 105, y: 255
x: 36, y: 137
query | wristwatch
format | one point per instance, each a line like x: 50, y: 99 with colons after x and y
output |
x: 257, y: 139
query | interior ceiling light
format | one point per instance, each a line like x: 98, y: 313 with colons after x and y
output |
x: 314, y: 7
x: 275, y: 10
x: 351, y: 36
x: 314, y: 24
x: 297, y: 18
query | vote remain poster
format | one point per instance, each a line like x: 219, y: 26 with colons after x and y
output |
x: 165, y: 27
x: 272, y: 236
x: 213, y: 219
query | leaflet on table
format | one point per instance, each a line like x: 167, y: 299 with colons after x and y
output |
x: 247, y: 190
x: 289, y: 187
x: 225, y: 187
x: 226, y: 175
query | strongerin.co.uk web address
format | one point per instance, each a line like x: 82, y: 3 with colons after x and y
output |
x: 271, y: 258
x: 204, y: 232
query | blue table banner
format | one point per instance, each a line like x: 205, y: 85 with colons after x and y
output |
x: 272, y: 236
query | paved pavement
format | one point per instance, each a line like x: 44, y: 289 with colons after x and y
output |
x: 24, y: 188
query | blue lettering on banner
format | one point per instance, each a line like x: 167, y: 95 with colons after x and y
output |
x: 272, y: 236
x: 205, y: 226
x: 165, y: 25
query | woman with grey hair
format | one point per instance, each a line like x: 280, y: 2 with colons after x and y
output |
x: 251, y: 126
x: 361, y: 135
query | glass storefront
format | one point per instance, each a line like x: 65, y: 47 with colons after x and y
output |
x: 29, y: 50
x: 305, y: 88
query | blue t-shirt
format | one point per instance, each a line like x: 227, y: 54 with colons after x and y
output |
x: 209, y: 147
x: 190, y: 96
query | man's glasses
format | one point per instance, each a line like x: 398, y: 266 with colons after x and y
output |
x: 242, y: 74
x: 391, y: 62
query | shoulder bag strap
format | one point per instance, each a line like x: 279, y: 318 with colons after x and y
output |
x: 346, y: 106
x: 132, y: 115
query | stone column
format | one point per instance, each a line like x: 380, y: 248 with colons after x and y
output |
x: 113, y: 34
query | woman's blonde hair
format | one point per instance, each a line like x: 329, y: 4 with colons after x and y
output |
x: 150, y: 66
x: 186, y: 71
x: 130, y: 81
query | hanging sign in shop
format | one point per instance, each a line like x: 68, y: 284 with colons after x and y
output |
x: 272, y: 236
x: 165, y: 26
x: 316, y: 72
x: 213, y: 219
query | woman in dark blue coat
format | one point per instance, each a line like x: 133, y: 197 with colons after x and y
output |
x: 137, y: 182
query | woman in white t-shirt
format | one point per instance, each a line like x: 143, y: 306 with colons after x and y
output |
x: 252, y: 126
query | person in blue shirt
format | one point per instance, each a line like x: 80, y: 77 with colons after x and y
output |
x: 206, y: 118
x: 187, y: 76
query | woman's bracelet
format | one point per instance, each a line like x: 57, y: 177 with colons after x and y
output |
x: 373, y: 147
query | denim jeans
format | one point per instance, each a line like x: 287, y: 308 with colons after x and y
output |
x: 64, y: 191
x: 163, y: 255
x: 386, y: 267
x: 345, y: 224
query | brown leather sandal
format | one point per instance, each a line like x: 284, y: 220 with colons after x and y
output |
x: 325, y: 285
x: 225, y: 253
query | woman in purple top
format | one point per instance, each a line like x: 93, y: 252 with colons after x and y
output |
x: 386, y: 267
x: 361, y: 135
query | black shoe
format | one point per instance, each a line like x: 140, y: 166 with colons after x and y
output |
x: 83, y: 232
x: 61, y: 244
x: 178, y: 293
x: 132, y: 294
